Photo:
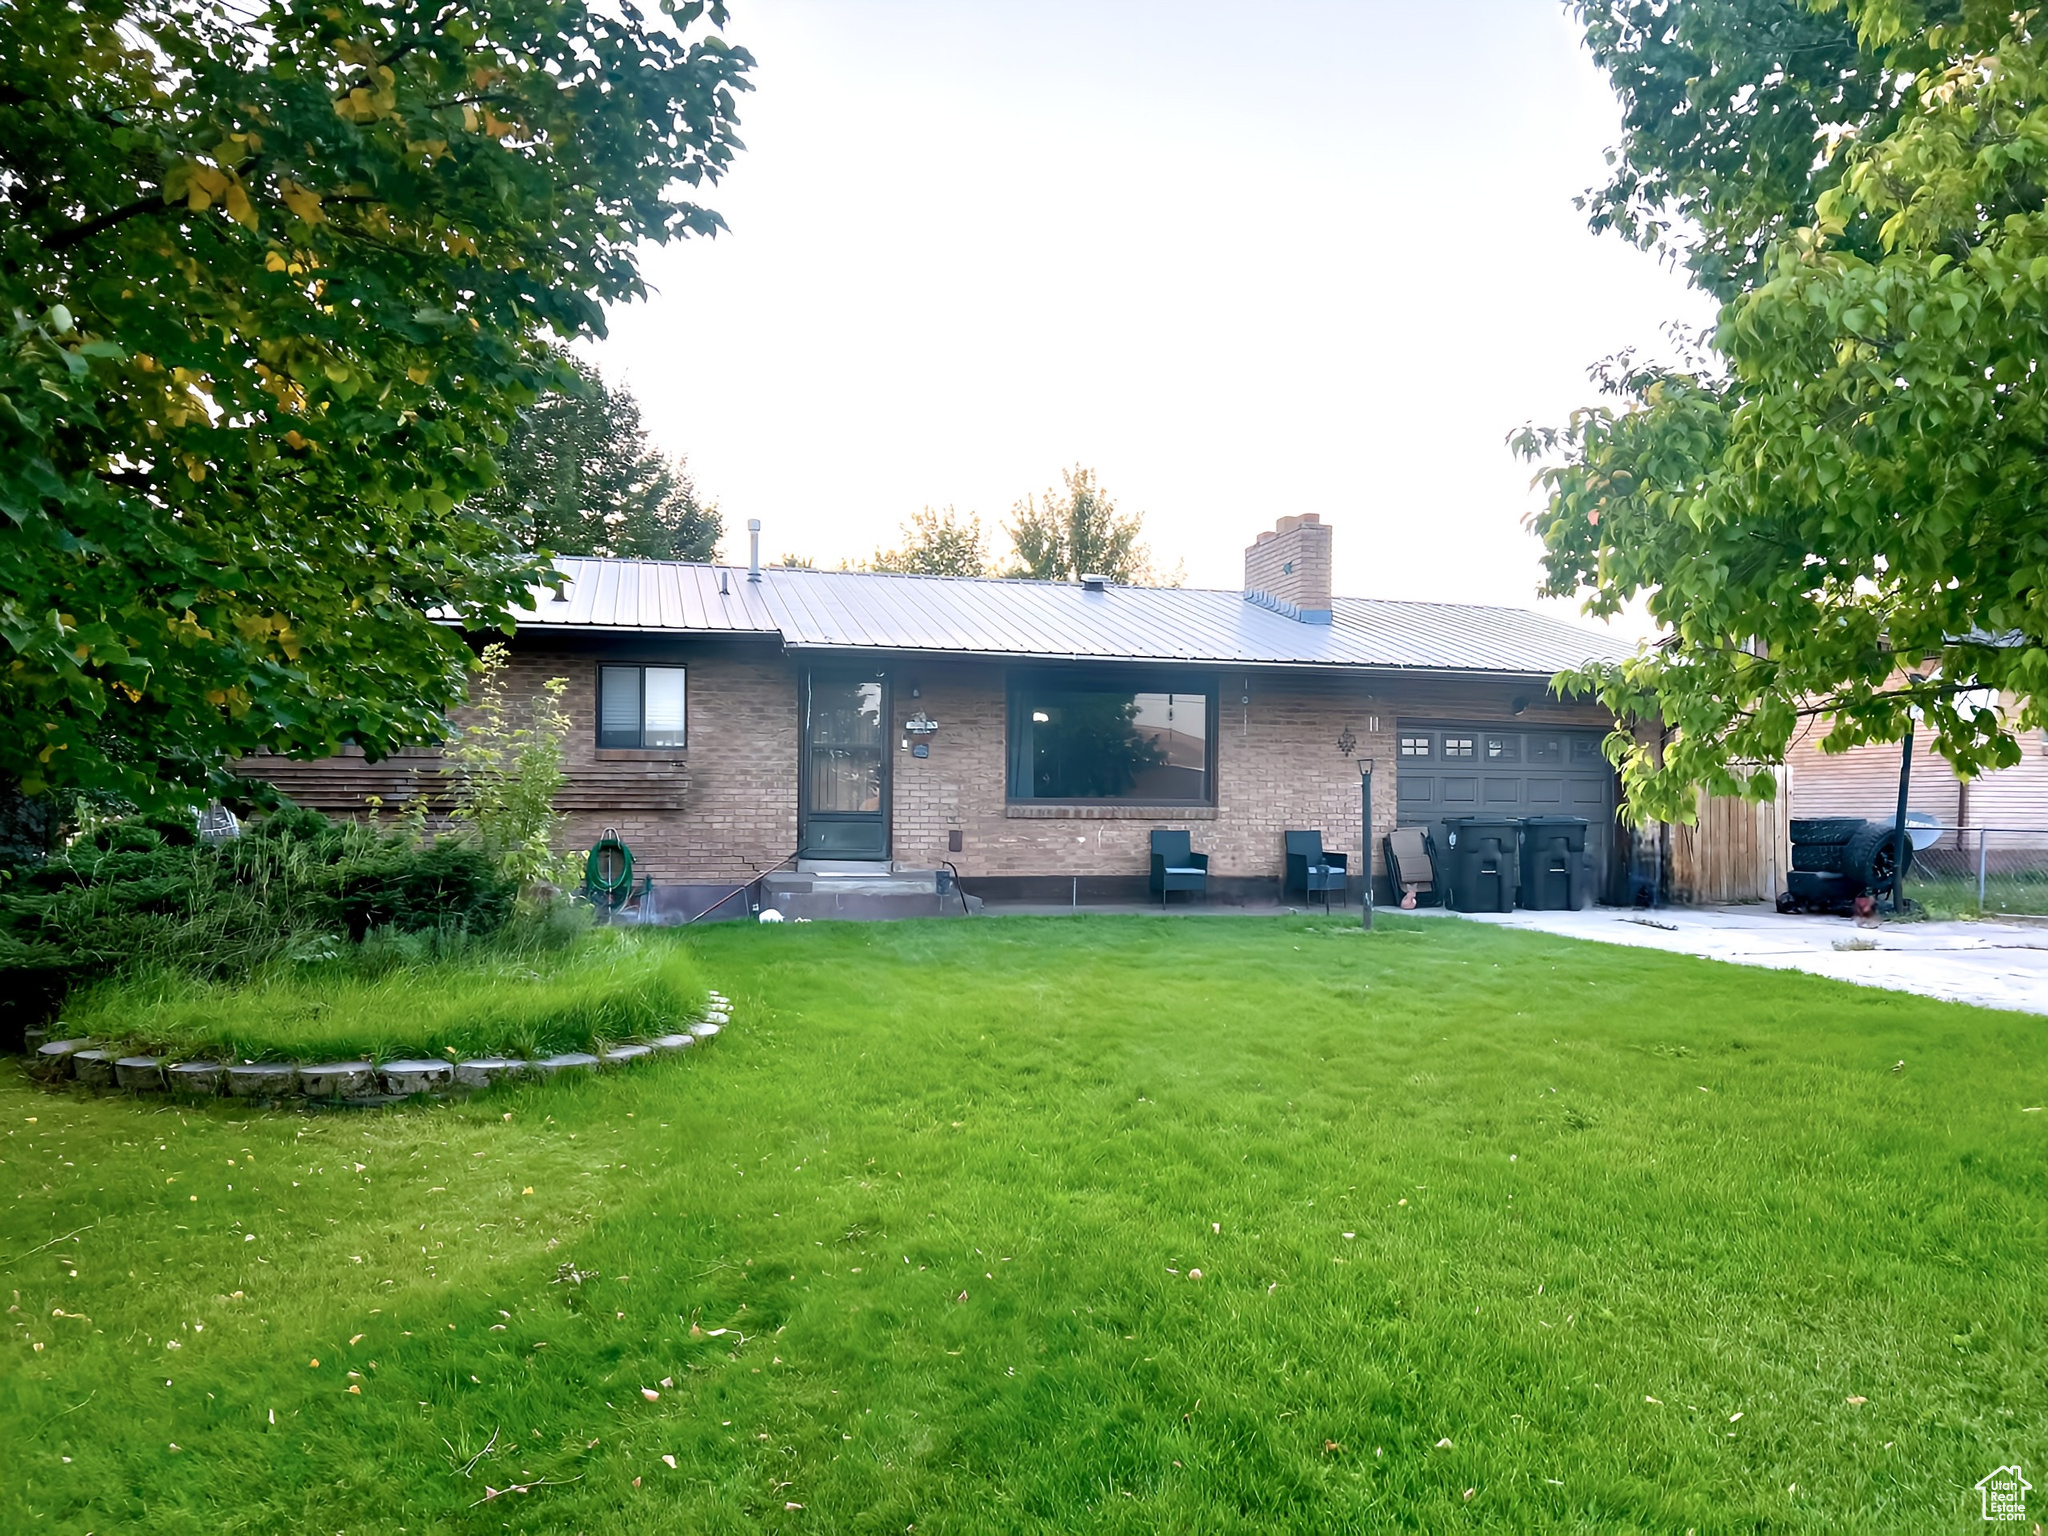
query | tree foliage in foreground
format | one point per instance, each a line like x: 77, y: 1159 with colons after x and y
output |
x: 579, y: 477
x: 271, y: 286
x: 1850, y: 488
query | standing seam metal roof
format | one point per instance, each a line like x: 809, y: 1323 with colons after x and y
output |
x: 992, y: 617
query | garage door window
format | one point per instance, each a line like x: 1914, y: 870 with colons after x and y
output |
x: 1459, y: 747
x: 1415, y: 746
x: 1502, y: 749
x: 1545, y: 749
x: 1585, y: 749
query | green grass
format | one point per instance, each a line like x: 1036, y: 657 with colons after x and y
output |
x: 1628, y: 1230
x: 1955, y: 896
x: 382, y: 1004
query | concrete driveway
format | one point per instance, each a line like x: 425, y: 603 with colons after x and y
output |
x: 1995, y: 965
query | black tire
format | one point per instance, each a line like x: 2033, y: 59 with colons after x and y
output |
x: 1819, y: 857
x: 1832, y: 830
x: 1809, y: 886
x: 1787, y: 902
x: 1868, y: 857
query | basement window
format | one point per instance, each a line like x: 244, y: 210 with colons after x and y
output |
x: 640, y: 706
x: 1146, y: 741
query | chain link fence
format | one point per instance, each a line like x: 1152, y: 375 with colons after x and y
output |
x: 1982, y: 872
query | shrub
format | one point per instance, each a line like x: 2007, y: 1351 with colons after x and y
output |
x: 137, y: 896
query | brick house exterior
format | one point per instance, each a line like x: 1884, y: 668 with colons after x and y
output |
x: 1285, y: 736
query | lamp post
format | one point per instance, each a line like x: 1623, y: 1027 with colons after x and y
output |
x: 1365, y: 833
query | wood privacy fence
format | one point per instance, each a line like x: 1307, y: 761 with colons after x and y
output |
x: 1738, y: 850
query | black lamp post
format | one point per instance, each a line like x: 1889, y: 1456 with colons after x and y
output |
x: 1365, y: 833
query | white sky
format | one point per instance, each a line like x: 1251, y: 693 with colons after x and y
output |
x: 1245, y: 261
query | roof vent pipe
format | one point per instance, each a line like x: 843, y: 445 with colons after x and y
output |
x: 1093, y: 583
x: 754, y: 553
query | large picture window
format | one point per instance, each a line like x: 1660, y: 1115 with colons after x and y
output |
x: 640, y: 706
x: 1089, y: 739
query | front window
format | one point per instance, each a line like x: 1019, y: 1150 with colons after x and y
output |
x: 1088, y: 741
x: 640, y: 706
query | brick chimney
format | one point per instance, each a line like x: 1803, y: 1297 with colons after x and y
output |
x: 1288, y: 570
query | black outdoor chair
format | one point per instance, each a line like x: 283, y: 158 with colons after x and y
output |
x: 1310, y: 870
x: 1177, y: 867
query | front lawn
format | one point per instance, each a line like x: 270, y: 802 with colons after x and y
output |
x: 1493, y: 1231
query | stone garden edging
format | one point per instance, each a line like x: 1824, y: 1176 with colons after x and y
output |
x: 94, y: 1066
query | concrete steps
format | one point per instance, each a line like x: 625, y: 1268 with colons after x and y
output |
x: 833, y: 890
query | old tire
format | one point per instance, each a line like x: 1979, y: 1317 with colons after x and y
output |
x: 1832, y: 830
x: 1868, y: 857
x: 1820, y: 858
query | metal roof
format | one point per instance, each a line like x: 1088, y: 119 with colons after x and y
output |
x: 1047, y: 620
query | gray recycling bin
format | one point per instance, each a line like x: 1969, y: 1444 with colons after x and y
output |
x: 1557, y: 876
x: 1481, y: 853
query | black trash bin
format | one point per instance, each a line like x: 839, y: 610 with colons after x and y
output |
x: 1481, y: 853
x: 1557, y: 876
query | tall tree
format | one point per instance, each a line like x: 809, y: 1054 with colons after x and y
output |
x: 1078, y: 532
x: 937, y: 544
x: 277, y: 280
x: 1841, y: 509
x: 581, y: 478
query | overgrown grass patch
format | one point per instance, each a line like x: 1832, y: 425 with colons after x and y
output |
x: 402, y: 996
x: 1496, y: 1232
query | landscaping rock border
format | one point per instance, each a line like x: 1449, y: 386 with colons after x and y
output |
x: 92, y: 1064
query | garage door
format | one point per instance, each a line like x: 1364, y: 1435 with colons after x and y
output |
x: 1444, y: 771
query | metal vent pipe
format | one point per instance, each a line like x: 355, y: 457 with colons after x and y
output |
x: 754, y: 552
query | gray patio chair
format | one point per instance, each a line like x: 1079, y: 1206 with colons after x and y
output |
x: 1177, y: 867
x: 1411, y: 863
x: 1311, y: 870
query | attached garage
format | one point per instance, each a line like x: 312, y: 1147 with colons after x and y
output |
x: 1446, y: 769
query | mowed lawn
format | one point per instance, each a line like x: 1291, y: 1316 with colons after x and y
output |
x: 1494, y: 1231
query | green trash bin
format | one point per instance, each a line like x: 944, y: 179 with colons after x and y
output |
x: 1482, y: 853
x: 1557, y: 876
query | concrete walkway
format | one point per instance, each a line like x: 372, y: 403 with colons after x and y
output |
x: 1995, y: 965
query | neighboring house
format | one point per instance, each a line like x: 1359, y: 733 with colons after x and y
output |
x: 1031, y: 734
x: 1864, y: 781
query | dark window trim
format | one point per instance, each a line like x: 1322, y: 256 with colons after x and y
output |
x: 597, y: 715
x: 1110, y: 679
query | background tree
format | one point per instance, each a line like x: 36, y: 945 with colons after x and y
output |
x: 273, y: 284
x: 937, y: 544
x: 1078, y: 532
x: 580, y: 478
x: 1847, y: 490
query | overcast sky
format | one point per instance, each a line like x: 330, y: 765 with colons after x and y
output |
x: 1244, y: 261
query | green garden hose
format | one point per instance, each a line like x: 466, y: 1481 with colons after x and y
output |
x: 610, y: 853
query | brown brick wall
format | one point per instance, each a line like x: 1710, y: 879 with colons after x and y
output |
x: 725, y: 807
x: 1279, y: 766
